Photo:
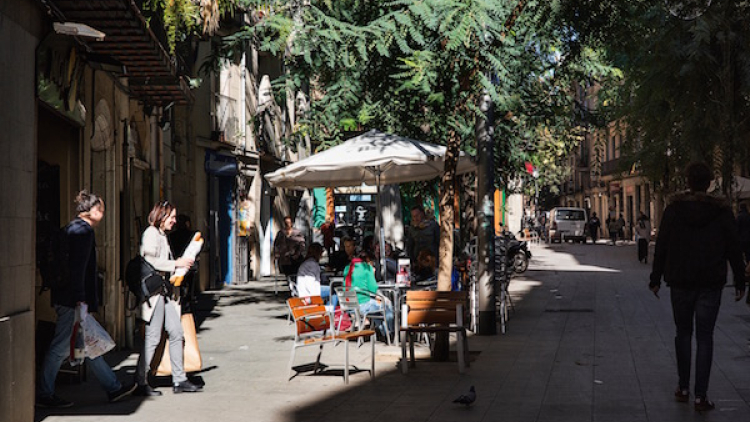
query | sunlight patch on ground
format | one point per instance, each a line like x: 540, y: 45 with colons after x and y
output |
x: 579, y: 268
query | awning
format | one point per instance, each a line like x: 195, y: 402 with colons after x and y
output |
x: 154, y: 76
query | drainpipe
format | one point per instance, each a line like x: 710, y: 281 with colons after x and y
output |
x: 125, y: 225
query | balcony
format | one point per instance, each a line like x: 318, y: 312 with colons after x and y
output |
x: 611, y: 167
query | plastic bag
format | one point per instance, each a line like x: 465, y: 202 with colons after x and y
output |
x: 77, y: 348
x: 95, y: 338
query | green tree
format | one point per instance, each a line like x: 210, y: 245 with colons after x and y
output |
x: 419, y: 67
x: 686, y: 81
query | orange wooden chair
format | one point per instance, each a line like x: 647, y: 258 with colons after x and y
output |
x: 313, y: 327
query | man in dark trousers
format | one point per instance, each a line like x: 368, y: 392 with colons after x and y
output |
x: 743, y: 231
x: 594, y: 225
x: 697, y: 236
x: 75, y: 297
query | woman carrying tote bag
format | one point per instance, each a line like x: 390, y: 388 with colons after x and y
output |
x: 162, y: 311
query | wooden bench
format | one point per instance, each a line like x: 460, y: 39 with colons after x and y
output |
x: 314, y: 328
x: 434, y: 312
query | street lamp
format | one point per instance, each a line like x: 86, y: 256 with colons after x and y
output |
x: 78, y: 30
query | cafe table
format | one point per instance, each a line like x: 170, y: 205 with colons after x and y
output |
x: 395, y: 290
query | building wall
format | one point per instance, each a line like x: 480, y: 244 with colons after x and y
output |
x: 20, y: 29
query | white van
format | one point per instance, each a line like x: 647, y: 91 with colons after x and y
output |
x: 567, y: 223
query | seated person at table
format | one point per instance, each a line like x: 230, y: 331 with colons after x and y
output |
x: 341, y: 258
x: 308, y: 276
x: 391, y: 265
x: 426, y: 266
x: 363, y: 279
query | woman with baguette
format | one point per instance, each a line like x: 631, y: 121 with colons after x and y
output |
x: 162, y: 311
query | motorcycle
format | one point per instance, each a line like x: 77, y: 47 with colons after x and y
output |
x: 518, y: 256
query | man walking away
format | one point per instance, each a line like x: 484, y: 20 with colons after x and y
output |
x: 697, y: 237
x: 594, y: 225
x: 643, y: 235
x: 743, y: 230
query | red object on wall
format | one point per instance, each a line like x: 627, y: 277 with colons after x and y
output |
x: 529, y: 167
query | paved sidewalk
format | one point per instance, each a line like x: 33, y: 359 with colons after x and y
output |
x: 586, y: 342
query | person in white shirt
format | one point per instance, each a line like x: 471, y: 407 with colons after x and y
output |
x: 308, y: 276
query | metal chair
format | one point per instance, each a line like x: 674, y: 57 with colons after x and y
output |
x: 349, y: 302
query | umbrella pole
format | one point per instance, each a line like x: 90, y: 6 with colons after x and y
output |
x: 383, y: 269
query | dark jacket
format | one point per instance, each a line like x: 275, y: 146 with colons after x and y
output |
x: 81, y: 286
x: 338, y: 261
x: 697, y: 236
x: 425, y: 236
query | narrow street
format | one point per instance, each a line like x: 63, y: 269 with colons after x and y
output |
x: 586, y: 341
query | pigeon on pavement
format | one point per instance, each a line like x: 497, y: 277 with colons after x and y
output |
x: 468, y: 398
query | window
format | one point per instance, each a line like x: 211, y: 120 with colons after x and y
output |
x: 570, y: 215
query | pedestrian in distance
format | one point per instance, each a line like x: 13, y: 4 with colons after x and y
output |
x: 743, y: 231
x: 593, y: 225
x: 161, y: 312
x: 289, y: 248
x: 621, y: 227
x: 697, y: 236
x: 612, y: 225
x: 643, y: 235
x: 78, y: 293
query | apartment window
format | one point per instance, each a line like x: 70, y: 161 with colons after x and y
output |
x: 608, y: 140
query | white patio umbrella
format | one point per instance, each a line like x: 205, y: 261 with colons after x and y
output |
x: 740, y: 187
x: 373, y: 158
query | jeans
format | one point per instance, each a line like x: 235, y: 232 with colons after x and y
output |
x: 371, y: 307
x: 167, y: 316
x: 59, y: 350
x: 701, y: 306
x: 332, y: 299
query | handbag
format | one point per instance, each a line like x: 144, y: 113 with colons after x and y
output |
x: 191, y: 357
x: 341, y: 320
x: 143, y: 280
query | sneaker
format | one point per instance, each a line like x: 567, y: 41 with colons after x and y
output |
x: 123, y: 392
x: 146, y: 391
x: 186, y: 387
x: 682, y: 395
x: 702, y: 404
x: 53, y: 402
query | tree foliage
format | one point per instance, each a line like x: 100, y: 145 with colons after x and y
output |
x: 419, y: 67
x: 686, y: 82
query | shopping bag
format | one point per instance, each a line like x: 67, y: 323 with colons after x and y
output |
x: 96, y: 339
x: 192, y: 361
x: 341, y: 318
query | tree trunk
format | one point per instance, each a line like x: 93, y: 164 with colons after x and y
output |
x: 447, y: 212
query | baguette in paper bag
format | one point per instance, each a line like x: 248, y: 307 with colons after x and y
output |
x: 192, y: 251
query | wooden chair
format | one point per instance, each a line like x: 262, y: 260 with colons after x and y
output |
x: 313, y: 328
x: 433, y: 312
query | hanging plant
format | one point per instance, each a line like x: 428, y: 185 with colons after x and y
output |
x: 182, y: 18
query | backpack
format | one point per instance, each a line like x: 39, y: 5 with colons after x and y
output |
x: 53, y: 259
x: 142, y: 279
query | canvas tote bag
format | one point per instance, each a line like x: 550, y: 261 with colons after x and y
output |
x: 192, y: 360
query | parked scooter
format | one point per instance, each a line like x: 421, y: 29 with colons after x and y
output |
x: 518, y: 255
